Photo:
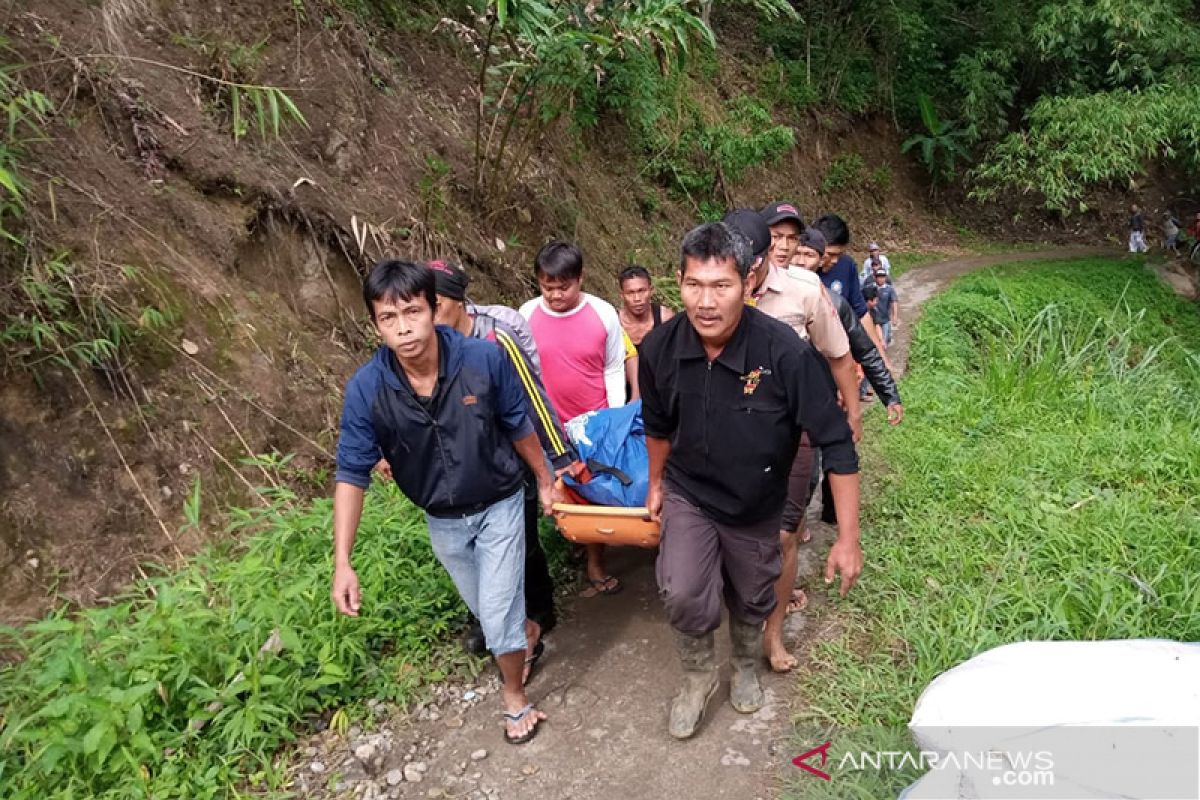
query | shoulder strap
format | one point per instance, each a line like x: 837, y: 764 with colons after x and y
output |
x: 656, y: 314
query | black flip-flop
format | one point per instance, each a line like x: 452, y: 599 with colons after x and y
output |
x: 520, y: 715
x: 603, y: 586
x: 531, y: 661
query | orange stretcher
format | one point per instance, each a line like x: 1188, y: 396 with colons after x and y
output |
x: 584, y: 523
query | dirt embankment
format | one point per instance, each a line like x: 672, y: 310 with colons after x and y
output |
x: 254, y: 250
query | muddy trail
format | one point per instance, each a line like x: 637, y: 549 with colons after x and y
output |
x: 605, y: 682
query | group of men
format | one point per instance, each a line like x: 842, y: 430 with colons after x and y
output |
x: 463, y: 407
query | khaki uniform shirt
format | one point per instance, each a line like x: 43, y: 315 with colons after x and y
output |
x: 797, y: 298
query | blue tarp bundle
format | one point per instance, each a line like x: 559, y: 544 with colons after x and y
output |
x: 612, y: 443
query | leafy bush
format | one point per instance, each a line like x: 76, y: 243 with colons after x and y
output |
x: 844, y: 172
x: 165, y: 693
x: 1073, y: 143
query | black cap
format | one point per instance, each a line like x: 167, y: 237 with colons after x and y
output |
x: 781, y: 210
x: 750, y: 224
x: 811, y: 237
x: 449, y: 280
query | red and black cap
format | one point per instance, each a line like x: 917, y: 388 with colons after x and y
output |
x: 780, y: 211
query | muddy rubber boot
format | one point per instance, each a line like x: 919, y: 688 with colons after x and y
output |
x: 699, y: 658
x: 745, y: 692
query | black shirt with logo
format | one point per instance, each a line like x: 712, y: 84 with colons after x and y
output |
x: 734, y: 423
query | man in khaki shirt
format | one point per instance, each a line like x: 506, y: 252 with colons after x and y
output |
x: 799, y: 300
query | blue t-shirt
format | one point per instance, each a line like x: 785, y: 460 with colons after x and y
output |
x: 887, y: 298
x: 842, y: 278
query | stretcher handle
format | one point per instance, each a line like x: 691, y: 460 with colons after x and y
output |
x: 640, y: 512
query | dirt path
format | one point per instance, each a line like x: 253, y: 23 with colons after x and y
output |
x: 608, y: 675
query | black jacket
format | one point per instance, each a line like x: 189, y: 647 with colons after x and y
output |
x: 864, y: 351
x: 454, y: 456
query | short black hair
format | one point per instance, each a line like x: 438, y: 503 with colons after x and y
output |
x: 836, y: 231
x: 715, y: 240
x: 631, y: 272
x: 559, y: 260
x: 393, y: 280
x: 870, y: 292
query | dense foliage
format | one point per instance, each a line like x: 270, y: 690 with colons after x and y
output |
x: 1054, y: 96
x: 186, y: 687
x: 1046, y: 489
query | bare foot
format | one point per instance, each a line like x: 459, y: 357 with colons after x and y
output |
x: 799, y: 601
x: 781, y: 660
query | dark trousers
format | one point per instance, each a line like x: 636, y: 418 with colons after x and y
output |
x: 700, y: 560
x: 539, y: 586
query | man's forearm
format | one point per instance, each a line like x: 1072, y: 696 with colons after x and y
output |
x: 347, y: 511
x: 843, y: 375
x: 872, y: 331
x: 530, y: 450
x: 845, y: 501
x: 657, y: 450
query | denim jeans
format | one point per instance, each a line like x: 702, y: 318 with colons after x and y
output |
x: 885, y: 331
x: 485, y: 556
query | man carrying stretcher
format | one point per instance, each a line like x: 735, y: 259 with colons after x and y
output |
x: 726, y: 393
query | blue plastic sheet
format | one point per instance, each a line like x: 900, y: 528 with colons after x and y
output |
x: 612, y: 443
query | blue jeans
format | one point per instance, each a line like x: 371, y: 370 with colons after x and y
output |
x: 885, y: 331
x: 485, y: 556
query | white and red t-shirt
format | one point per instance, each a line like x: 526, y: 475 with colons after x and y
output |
x: 583, y: 355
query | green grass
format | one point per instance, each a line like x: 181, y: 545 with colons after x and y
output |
x: 106, y: 703
x: 1044, y: 485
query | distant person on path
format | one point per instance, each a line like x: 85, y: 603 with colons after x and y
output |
x: 875, y: 262
x: 582, y: 346
x: 487, y: 322
x: 726, y: 393
x: 1137, y: 231
x: 887, y: 307
x: 809, y: 256
x: 1171, y: 233
x: 639, y: 313
x: 449, y: 416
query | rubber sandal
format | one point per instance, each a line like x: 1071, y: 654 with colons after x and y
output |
x: 606, y: 585
x: 520, y: 715
x: 531, y: 661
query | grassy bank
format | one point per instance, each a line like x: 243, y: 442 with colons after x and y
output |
x: 1044, y: 485
x: 166, y: 694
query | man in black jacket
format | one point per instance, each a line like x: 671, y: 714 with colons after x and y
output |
x: 809, y: 256
x: 449, y: 416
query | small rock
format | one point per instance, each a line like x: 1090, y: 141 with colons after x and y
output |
x: 394, y: 777
x: 479, y: 755
x: 354, y: 732
x: 364, y: 753
x: 412, y: 774
x: 189, y: 347
x: 309, y: 752
x: 469, y: 695
x: 421, y: 766
x: 317, y: 767
x: 529, y: 769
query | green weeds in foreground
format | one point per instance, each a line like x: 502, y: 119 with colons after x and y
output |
x: 1044, y: 485
x: 166, y: 694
